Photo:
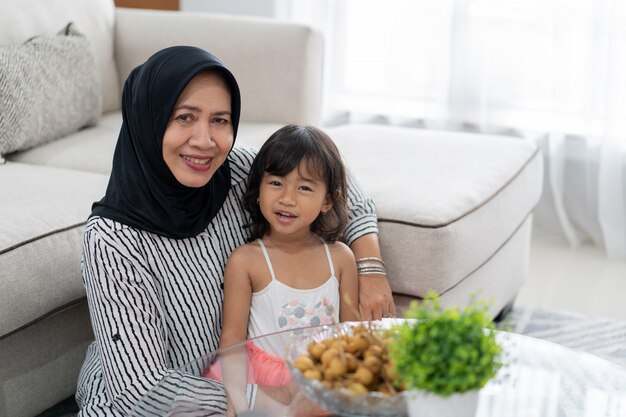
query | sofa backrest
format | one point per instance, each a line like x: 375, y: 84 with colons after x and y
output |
x: 21, y: 20
x: 278, y: 65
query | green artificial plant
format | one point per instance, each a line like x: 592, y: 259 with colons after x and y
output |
x: 445, y: 350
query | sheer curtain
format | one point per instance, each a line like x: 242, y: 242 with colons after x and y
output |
x: 552, y: 71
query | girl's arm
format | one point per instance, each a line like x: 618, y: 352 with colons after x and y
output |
x: 237, y: 298
x: 348, y: 283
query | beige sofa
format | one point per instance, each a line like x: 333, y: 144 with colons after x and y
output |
x: 454, y: 209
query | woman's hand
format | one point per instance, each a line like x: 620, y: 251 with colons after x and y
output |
x: 375, y: 297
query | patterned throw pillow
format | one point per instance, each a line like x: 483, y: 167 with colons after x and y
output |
x: 49, y: 87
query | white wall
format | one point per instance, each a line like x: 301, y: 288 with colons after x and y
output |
x: 263, y: 8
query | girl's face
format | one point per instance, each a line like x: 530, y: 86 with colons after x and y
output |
x: 199, y: 135
x: 291, y: 203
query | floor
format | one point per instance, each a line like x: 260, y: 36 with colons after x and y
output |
x: 580, y: 280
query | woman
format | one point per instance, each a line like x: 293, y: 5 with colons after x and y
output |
x: 155, y: 246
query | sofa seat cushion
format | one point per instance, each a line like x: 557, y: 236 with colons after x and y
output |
x: 21, y: 20
x: 42, y: 216
x: 446, y: 201
x: 90, y: 149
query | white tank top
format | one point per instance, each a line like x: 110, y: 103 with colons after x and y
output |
x: 279, y: 307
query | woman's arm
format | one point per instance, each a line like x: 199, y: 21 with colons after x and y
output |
x: 375, y: 299
x: 128, y: 323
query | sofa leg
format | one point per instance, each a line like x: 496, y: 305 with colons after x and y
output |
x: 505, y: 311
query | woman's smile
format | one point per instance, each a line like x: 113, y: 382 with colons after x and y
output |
x: 198, y: 163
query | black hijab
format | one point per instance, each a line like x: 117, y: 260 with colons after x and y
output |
x: 142, y: 191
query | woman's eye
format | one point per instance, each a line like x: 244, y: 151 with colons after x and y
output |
x: 185, y: 117
x: 219, y: 121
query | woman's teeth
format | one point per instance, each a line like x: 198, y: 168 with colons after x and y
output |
x: 196, y: 161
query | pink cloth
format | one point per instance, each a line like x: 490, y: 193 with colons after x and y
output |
x: 263, y: 368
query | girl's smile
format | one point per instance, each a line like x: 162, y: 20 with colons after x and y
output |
x: 285, y: 217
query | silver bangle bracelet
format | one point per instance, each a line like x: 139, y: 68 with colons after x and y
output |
x: 364, y: 265
x: 372, y: 273
x: 372, y: 268
x: 371, y: 258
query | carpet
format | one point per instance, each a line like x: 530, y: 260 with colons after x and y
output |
x: 598, y: 336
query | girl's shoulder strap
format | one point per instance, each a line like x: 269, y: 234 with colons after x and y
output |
x: 267, y: 258
x: 330, y: 259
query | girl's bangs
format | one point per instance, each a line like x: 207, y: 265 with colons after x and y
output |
x: 284, y: 159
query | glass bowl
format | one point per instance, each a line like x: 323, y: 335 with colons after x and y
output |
x: 341, y: 401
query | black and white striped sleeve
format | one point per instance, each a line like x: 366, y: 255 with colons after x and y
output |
x: 361, y: 212
x: 128, y: 324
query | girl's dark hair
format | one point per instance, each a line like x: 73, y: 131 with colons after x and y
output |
x: 282, y: 153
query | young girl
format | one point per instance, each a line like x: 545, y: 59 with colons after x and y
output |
x: 293, y: 273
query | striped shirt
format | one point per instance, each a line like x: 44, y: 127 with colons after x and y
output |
x: 156, y: 305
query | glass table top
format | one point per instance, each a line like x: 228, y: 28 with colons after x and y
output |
x: 539, y: 379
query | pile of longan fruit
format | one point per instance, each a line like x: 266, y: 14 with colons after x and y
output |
x: 358, y: 362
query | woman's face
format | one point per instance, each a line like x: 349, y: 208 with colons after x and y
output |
x: 199, y: 134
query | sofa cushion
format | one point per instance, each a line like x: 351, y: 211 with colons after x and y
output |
x: 89, y: 149
x: 446, y: 201
x: 24, y: 19
x: 42, y: 216
x: 49, y: 87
